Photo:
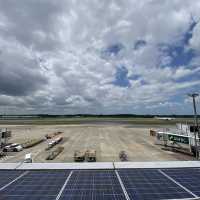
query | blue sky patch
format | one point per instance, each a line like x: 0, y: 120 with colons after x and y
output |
x: 188, y: 34
x: 180, y: 56
x: 178, y: 52
x: 121, y: 78
x: 113, y: 50
x: 139, y: 44
x: 135, y: 77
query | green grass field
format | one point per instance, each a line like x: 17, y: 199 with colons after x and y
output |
x: 93, y: 120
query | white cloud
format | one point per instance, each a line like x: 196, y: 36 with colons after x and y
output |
x: 61, y: 44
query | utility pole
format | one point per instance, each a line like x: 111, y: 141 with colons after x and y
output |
x: 196, y: 129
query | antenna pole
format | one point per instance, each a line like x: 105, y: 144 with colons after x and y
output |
x: 196, y: 128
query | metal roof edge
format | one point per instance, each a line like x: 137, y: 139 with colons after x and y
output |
x: 157, y: 164
x: 96, y: 165
x: 100, y: 165
x: 9, y: 165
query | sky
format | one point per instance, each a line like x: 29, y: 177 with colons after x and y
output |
x: 99, y: 57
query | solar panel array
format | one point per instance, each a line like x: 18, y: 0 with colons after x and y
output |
x: 6, y: 176
x: 151, y: 184
x: 121, y: 184
x: 35, y: 185
x: 97, y: 184
x: 189, y: 178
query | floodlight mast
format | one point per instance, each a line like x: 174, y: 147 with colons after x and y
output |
x: 193, y: 96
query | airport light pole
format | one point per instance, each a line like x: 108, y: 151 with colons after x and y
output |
x: 193, y: 96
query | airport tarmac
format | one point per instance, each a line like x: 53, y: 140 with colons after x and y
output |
x: 108, y: 140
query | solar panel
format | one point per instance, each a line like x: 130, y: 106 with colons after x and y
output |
x: 140, y: 184
x: 36, y: 185
x: 188, y: 177
x: 150, y: 184
x: 93, y: 184
x: 6, y: 176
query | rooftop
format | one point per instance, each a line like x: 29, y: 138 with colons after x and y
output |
x: 109, y: 180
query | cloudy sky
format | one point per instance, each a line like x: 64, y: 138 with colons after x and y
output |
x: 91, y: 56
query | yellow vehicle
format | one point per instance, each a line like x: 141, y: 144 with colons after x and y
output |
x: 79, y: 156
x: 90, y: 155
